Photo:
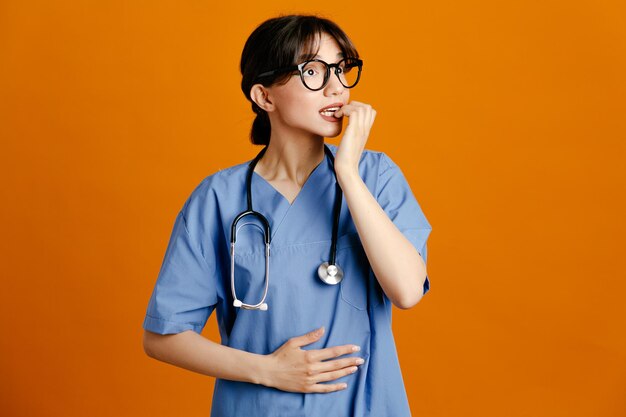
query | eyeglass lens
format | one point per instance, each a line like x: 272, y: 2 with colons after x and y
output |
x: 314, y: 73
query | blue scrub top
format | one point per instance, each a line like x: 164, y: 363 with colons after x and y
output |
x: 194, y: 280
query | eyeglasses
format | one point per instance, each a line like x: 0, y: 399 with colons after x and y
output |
x: 316, y: 73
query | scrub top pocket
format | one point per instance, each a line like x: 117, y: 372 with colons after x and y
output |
x: 352, y: 259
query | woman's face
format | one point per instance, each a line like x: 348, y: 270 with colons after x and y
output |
x: 297, y: 109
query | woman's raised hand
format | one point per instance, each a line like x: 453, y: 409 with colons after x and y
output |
x: 295, y: 370
x: 361, y: 118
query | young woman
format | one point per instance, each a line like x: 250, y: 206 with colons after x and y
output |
x: 302, y: 286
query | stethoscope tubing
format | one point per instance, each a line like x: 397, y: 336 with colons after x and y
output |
x: 267, y: 232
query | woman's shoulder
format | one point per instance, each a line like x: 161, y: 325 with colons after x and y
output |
x: 217, y: 186
x: 222, y: 179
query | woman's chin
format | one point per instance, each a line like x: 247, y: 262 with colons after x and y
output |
x: 334, y: 132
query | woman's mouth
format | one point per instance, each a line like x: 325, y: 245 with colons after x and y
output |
x: 329, y: 112
x: 330, y: 118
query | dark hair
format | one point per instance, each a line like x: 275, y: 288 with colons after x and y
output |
x: 280, y: 42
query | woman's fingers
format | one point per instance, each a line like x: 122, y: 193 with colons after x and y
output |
x: 322, y: 388
x: 348, y: 109
x: 338, y: 365
x: 306, y: 339
x: 319, y: 355
x: 370, y: 122
x: 355, y: 108
x: 331, y: 376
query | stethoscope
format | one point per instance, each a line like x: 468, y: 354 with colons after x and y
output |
x: 329, y: 272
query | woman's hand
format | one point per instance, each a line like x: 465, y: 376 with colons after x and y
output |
x: 292, y: 369
x: 361, y: 117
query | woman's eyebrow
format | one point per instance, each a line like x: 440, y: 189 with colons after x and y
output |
x: 339, y: 55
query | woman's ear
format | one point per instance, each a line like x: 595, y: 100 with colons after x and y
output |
x: 260, y: 95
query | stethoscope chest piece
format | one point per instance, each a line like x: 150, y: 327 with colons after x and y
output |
x: 330, y: 274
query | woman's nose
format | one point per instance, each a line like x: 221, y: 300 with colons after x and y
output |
x: 334, y: 86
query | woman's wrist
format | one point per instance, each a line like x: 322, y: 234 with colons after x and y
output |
x: 260, y: 369
x: 347, y: 171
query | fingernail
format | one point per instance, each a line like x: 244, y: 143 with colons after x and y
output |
x: 360, y: 361
x: 344, y: 386
x: 355, y: 348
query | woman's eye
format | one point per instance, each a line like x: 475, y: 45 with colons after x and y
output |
x: 309, y: 72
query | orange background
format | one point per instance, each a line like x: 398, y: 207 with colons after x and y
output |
x: 507, y: 117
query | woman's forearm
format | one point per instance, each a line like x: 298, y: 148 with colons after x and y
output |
x: 193, y: 352
x: 396, y: 263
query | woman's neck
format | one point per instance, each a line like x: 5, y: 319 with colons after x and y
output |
x: 291, y: 160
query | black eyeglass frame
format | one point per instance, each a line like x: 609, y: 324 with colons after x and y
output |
x: 359, y: 64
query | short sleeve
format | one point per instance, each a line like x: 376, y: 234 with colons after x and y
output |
x: 394, y: 195
x: 185, y: 294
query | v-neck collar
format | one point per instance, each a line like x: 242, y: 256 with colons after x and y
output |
x: 308, y: 180
x: 275, y: 206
